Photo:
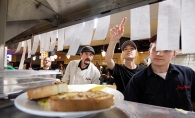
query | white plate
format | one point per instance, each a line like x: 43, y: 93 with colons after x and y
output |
x: 32, y: 107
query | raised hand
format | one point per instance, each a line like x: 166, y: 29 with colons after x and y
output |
x: 117, y: 32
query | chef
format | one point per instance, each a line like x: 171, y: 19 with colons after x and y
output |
x: 82, y: 71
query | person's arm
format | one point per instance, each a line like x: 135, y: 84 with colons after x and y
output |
x: 115, y: 34
x: 66, y: 77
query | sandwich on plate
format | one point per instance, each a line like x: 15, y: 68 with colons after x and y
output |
x: 57, y: 98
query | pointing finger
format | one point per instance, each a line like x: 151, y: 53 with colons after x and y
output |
x: 123, y: 22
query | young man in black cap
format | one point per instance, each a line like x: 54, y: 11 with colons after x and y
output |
x: 162, y: 83
x: 82, y: 71
x: 122, y: 73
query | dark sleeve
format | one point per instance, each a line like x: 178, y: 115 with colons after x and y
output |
x: 131, y: 90
x: 193, y: 87
x: 114, y: 71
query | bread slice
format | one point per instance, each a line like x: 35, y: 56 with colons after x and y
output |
x: 46, y: 91
x: 81, y: 101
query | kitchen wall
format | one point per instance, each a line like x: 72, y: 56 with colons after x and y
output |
x: 185, y: 60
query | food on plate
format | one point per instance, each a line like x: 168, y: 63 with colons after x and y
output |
x: 97, y: 88
x: 81, y: 101
x: 46, y: 91
x: 57, y: 98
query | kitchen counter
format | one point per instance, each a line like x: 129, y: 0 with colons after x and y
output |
x: 125, y: 110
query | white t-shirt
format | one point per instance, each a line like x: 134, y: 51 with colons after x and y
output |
x: 163, y: 75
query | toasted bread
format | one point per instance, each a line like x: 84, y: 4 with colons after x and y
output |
x: 81, y: 101
x: 46, y: 91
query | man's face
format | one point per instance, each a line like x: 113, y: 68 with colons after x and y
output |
x: 161, y: 58
x: 86, y: 57
x: 129, y: 52
x: 47, y: 62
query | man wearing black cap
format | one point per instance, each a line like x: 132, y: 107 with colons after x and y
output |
x: 122, y: 73
x: 82, y: 71
x: 162, y: 83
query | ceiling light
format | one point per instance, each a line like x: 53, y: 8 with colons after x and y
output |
x: 68, y: 56
x: 103, y: 53
x: 55, y: 56
x: 34, y: 58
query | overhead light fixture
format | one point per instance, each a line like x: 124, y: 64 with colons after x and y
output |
x: 34, y: 58
x: 68, y: 56
x: 103, y: 53
x: 55, y: 56
x: 141, y: 52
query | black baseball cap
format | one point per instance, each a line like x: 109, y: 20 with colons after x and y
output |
x: 88, y: 49
x: 128, y: 42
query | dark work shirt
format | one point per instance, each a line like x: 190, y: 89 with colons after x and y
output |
x: 122, y: 75
x: 177, y: 90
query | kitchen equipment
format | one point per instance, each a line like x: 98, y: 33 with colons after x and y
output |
x: 14, y: 82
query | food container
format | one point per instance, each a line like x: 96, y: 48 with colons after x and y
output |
x: 15, y: 81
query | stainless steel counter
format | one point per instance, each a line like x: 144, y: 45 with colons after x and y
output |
x: 125, y: 110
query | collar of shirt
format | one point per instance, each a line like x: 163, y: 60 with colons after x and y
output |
x: 129, y: 68
x: 172, y: 68
x: 80, y: 66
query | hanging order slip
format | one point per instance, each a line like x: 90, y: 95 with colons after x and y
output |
x: 168, y: 25
x: 35, y: 44
x: 53, y: 40
x: 140, y: 23
x: 41, y: 44
x: 29, y: 47
x: 60, y: 39
x: 102, y: 28
x: 75, y: 41
x: 87, y: 33
x: 23, y: 56
x: 69, y: 34
x: 188, y: 26
x: 45, y: 41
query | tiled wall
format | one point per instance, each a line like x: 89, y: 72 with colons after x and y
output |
x: 185, y: 60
